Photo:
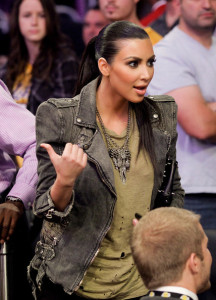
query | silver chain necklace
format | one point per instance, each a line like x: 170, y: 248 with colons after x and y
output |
x: 120, y: 156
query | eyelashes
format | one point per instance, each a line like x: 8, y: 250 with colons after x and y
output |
x: 136, y: 62
x: 151, y: 62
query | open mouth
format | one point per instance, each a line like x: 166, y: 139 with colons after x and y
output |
x: 140, y: 89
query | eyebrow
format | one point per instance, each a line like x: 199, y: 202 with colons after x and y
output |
x: 138, y: 58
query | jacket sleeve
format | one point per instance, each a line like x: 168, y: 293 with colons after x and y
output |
x: 165, y: 134
x: 178, y: 197
x: 49, y: 123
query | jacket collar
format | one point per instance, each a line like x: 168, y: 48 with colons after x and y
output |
x: 86, y: 113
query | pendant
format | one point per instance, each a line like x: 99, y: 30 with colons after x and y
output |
x: 121, y: 159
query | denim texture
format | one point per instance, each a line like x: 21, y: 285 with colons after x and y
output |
x: 70, y: 240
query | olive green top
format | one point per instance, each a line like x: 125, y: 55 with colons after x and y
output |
x: 112, y: 273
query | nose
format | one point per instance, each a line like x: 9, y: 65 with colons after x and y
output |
x: 206, y: 3
x: 34, y: 19
x: 146, y: 73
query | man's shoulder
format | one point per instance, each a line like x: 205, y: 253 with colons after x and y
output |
x: 172, y: 40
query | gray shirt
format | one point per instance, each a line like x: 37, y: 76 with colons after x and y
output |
x: 182, y: 61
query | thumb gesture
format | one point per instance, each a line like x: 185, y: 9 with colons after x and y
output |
x: 69, y: 165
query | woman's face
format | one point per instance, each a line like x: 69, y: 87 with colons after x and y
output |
x: 32, y: 21
x: 132, y: 69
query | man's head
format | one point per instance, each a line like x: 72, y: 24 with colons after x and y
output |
x: 117, y: 10
x: 198, y: 15
x: 94, y: 21
x: 169, y: 246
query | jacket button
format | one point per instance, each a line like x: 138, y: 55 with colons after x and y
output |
x: 155, y: 116
x: 79, y: 120
x: 85, y: 147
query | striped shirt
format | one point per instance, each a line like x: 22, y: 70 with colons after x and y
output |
x: 17, y: 137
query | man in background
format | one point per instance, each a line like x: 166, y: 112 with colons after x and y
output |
x: 94, y: 21
x: 186, y: 70
x: 17, y: 190
x: 117, y: 10
x: 169, y: 247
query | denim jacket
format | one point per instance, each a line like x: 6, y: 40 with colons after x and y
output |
x: 70, y: 240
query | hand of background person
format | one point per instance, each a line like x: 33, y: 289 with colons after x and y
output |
x: 10, y: 212
x: 69, y: 165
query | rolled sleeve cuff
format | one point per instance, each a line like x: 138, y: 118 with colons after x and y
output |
x: 52, y: 212
x: 25, y: 192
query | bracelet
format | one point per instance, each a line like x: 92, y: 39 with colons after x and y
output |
x: 13, y: 199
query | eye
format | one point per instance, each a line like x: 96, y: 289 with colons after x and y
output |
x: 26, y: 15
x: 133, y: 64
x: 42, y: 15
x: 151, y: 61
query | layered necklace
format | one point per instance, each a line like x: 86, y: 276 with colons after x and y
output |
x: 120, y: 156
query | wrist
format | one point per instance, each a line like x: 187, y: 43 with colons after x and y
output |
x: 64, y: 183
x: 16, y: 201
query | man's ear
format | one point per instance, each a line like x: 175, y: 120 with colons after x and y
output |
x: 103, y: 66
x: 194, y: 263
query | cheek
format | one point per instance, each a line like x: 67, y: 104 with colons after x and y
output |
x: 43, y: 25
x: 124, y: 80
x: 22, y: 25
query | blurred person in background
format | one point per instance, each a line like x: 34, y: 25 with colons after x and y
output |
x: 119, y: 10
x: 41, y: 63
x: 94, y: 21
x: 17, y: 192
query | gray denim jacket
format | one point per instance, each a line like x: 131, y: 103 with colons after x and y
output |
x: 70, y: 239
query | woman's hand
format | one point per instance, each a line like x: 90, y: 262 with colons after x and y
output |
x: 68, y: 167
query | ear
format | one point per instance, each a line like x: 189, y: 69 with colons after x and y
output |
x: 103, y: 66
x: 194, y: 263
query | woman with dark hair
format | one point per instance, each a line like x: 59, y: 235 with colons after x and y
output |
x: 102, y: 157
x: 41, y: 62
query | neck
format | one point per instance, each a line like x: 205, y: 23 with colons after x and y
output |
x: 33, y: 51
x: 112, y: 108
x: 134, y: 19
x: 107, y: 100
x: 203, y: 36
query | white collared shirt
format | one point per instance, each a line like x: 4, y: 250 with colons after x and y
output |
x: 179, y: 290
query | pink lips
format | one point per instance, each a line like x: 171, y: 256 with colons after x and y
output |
x: 111, y: 8
x: 33, y: 31
x: 140, y: 90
